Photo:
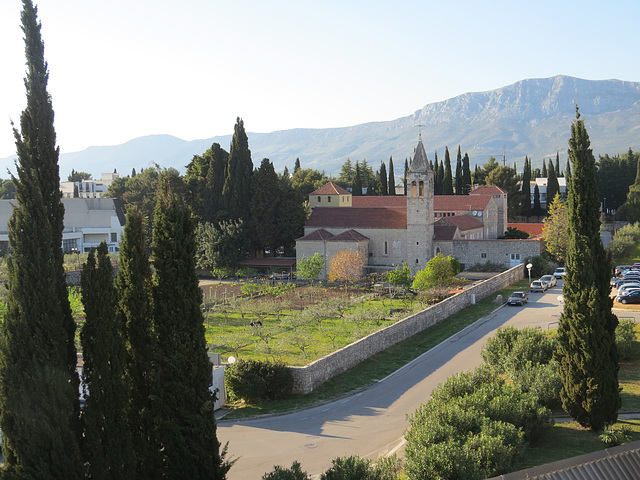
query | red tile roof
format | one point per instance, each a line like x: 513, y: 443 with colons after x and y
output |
x: 463, y: 222
x: 444, y: 232
x: 330, y: 189
x: 533, y: 229
x: 340, y: 217
x: 319, y: 235
x: 450, y: 203
x: 349, y: 236
x: 393, y: 201
x: 488, y: 190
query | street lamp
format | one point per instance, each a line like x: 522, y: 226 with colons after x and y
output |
x: 529, y: 266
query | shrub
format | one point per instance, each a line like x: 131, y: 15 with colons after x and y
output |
x: 252, y: 380
x: 220, y: 273
x: 246, y: 272
x: 625, y: 338
x: 540, y: 266
x: 281, y: 473
x: 356, y: 468
x: 486, y: 267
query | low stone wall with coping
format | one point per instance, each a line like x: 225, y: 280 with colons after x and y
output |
x: 311, y: 376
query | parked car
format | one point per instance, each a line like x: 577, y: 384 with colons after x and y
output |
x: 622, y: 283
x: 560, y: 272
x: 620, y: 268
x: 550, y: 280
x: 631, y: 297
x: 626, y: 289
x: 518, y: 298
x: 538, y: 286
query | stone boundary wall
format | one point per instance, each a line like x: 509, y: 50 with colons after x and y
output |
x: 311, y: 376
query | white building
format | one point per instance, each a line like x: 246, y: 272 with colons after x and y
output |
x: 87, y: 222
x: 89, y: 188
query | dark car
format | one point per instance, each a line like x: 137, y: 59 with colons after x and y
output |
x: 631, y: 297
x: 518, y: 298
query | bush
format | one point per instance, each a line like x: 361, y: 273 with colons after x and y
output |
x: 509, y: 350
x: 486, y: 267
x: 625, y: 338
x: 540, y: 267
x: 246, y: 272
x: 220, y: 273
x: 252, y: 380
x: 280, y: 473
x: 356, y: 468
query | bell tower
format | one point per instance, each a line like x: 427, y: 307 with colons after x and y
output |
x: 419, y: 210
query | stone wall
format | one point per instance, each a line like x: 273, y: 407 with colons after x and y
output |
x: 311, y: 376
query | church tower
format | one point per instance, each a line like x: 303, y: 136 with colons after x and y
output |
x: 419, y: 210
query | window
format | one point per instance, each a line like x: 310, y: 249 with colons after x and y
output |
x: 421, y: 189
x: 386, y: 248
x: 328, y: 199
x: 114, y: 237
x: 413, y: 189
x: 515, y: 256
x: 483, y: 255
x: 319, y: 199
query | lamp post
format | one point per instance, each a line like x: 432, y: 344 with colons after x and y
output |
x: 529, y: 265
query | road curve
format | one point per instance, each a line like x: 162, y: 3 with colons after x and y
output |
x: 372, y: 422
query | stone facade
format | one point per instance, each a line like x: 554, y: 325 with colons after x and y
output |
x: 506, y: 253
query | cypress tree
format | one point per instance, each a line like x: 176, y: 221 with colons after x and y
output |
x: 296, y: 166
x: 106, y: 444
x: 447, y: 180
x: 544, y: 169
x: 588, y: 358
x: 552, y: 185
x: 135, y: 315
x: 215, y: 180
x: 38, y: 381
x: 466, y: 175
x: 384, y: 186
x: 357, y: 181
x: 567, y: 172
x: 265, y: 207
x: 392, y: 178
x: 537, y: 207
x: 558, y: 164
x: 404, y: 178
x: 526, y: 188
x: 182, y: 404
x: 459, y: 181
x: 437, y: 186
x: 237, y: 185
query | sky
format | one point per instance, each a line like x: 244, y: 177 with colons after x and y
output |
x: 121, y: 69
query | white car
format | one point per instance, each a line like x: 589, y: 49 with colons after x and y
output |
x: 560, y: 272
x: 550, y: 280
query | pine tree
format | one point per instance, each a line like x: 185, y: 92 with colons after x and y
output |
x: 135, y: 316
x: 384, y: 186
x: 447, y: 181
x: 237, y: 184
x: 39, y: 403
x: 526, y: 188
x: 466, y: 175
x: 459, y: 181
x: 588, y: 358
x: 182, y: 404
x: 392, y: 178
x: 106, y: 445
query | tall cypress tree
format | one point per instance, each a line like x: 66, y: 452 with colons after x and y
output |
x: 135, y: 315
x: 437, y: 186
x: 587, y: 350
x: 558, y: 174
x: 552, y: 184
x: 237, y: 186
x: 459, y: 181
x: 392, y: 178
x: 182, y: 404
x: 466, y: 175
x: 384, y: 186
x: 526, y: 188
x: 265, y: 207
x: 106, y: 444
x: 39, y: 404
x: 215, y: 180
x: 357, y: 181
x: 447, y: 180
x: 404, y: 178
x: 544, y: 168
x: 537, y: 207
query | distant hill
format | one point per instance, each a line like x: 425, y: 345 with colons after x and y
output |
x: 531, y: 117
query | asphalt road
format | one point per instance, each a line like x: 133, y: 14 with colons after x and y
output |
x: 372, y: 423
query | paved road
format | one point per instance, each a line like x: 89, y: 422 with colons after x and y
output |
x: 371, y: 423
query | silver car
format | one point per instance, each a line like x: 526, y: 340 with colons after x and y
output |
x: 550, y: 280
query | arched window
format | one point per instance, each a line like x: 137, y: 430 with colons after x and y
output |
x: 413, y: 189
x: 421, y: 189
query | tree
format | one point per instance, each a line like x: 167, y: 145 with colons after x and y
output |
x: 107, y: 445
x: 39, y: 403
x: 78, y: 176
x: 291, y: 217
x: 384, y: 186
x: 281, y: 473
x: 237, y: 185
x: 466, y: 175
x: 525, y: 209
x: 506, y: 179
x: 264, y: 205
x: 555, y: 228
x: 586, y: 334
x: 544, y: 169
x: 537, y: 207
x: 459, y: 181
x: 182, y: 405
x: 447, y: 180
x: 347, y: 266
x: 630, y: 210
x: 356, y: 186
x: 553, y: 187
x: 404, y: 178
x: 392, y: 178
x: 296, y: 166
x: 221, y: 245
x: 440, y: 270
x: 135, y: 315
x: 309, y: 268
x: 514, y: 233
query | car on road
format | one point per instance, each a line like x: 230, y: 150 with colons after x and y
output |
x: 560, y: 272
x: 518, y: 298
x: 550, y: 280
x: 631, y: 297
x: 538, y: 286
x: 621, y: 268
x: 625, y: 290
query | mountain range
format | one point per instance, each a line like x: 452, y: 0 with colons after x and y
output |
x: 531, y: 117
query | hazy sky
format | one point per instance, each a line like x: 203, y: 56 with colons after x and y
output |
x: 121, y: 69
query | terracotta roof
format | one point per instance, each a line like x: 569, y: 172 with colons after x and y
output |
x: 349, y: 236
x: 419, y: 162
x: 319, y: 235
x: 444, y: 232
x: 330, y: 189
x: 393, y: 201
x: 463, y: 222
x: 532, y: 229
x: 340, y: 217
x: 458, y: 203
x: 488, y: 190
